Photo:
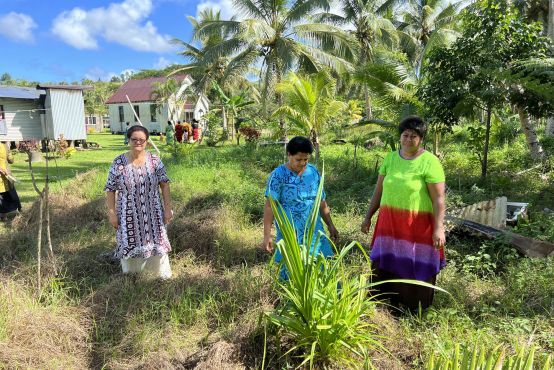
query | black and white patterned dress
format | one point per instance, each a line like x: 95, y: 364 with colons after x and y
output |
x: 141, y: 232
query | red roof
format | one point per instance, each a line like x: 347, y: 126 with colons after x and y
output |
x: 139, y: 90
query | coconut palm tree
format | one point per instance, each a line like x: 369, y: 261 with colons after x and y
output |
x: 276, y: 35
x: 309, y: 104
x: 369, y: 23
x: 206, y: 68
x: 427, y: 24
x: 170, y: 93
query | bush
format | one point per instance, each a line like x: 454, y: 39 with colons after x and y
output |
x: 250, y: 133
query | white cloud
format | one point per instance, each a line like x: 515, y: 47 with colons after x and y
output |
x: 162, y: 63
x: 226, y: 7
x: 17, y: 27
x: 123, y: 23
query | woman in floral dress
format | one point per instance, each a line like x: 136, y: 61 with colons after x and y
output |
x: 294, y: 185
x: 136, y: 210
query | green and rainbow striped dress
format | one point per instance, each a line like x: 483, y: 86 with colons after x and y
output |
x: 403, y: 238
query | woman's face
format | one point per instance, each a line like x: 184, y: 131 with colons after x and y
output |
x: 410, y: 140
x: 137, y: 141
x: 298, y: 161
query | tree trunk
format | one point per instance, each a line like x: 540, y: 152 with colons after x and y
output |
x: 550, y: 121
x: 486, y: 146
x: 315, y: 141
x: 436, y: 139
x: 549, y: 126
x: 224, y: 119
x: 551, y: 19
x: 530, y: 134
x: 368, y: 110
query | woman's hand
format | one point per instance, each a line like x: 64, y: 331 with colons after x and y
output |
x: 168, y: 215
x: 438, y: 238
x: 333, y: 233
x: 112, y: 217
x: 268, y: 244
x: 366, y: 225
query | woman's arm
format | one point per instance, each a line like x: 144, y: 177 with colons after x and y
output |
x: 166, y: 197
x: 436, y: 192
x: 268, y: 222
x: 112, y: 213
x: 373, y: 205
x: 325, y: 213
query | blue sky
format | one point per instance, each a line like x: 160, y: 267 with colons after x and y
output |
x: 64, y: 40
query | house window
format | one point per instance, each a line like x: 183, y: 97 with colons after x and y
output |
x: 121, y: 115
x: 2, y: 114
x: 152, y: 112
x: 137, y: 113
x: 189, y: 116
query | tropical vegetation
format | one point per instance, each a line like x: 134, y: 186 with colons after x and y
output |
x: 481, y: 73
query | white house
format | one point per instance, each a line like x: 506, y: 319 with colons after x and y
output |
x: 139, y: 93
x: 42, y: 112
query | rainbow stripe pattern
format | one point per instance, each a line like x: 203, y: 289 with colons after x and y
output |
x: 402, y: 240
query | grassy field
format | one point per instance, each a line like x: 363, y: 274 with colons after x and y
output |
x: 208, y: 315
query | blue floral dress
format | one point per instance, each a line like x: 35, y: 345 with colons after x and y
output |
x: 297, y: 196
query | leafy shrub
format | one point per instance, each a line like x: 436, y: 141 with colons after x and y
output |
x: 27, y: 146
x: 250, y: 133
x: 69, y: 152
x: 214, y: 131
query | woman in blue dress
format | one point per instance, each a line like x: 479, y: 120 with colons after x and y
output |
x: 294, y: 185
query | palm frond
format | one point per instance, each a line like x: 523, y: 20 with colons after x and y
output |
x: 329, y: 38
x: 319, y: 56
x: 301, y: 8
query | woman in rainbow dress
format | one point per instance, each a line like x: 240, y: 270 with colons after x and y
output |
x: 408, y: 241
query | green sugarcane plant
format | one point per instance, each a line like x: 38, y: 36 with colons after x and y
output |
x: 325, y: 306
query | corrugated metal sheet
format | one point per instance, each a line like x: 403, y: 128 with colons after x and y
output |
x: 18, y: 92
x: 67, y: 114
x: 139, y: 90
x: 22, y: 124
x: 492, y: 212
x: 66, y: 87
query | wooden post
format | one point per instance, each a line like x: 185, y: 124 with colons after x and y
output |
x: 39, y: 246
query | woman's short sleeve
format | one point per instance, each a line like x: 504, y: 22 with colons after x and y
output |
x: 274, y: 185
x: 435, y: 172
x: 318, y: 176
x: 113, y: 174
x: 161, y: 173
x: 384, y: 166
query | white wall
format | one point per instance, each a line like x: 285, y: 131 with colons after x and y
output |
x: 21, y: 125
x: 144, y: 115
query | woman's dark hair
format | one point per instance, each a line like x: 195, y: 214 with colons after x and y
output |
x: 299, y: 144
x: 137, y: 128
x: 169, y: 123
x: 413, y: 123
